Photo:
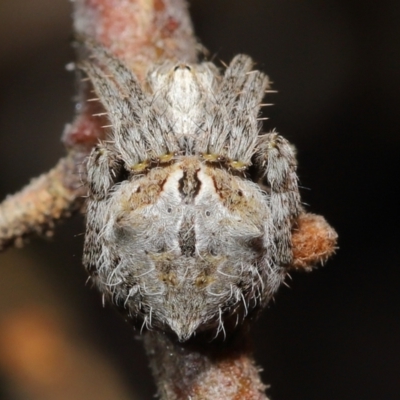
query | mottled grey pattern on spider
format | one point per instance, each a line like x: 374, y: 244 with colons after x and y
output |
x: 190, y: 207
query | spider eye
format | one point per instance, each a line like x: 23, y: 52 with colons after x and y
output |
x: 120, y: 174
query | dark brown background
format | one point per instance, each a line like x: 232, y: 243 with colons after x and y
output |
x: 335, y: 334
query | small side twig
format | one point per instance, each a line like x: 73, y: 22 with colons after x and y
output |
x: 36, y: 208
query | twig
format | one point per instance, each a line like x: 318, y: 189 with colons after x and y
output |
x: 313, y: 241
x: 140, y: 32
x: 205, y: 370
x: 36, y: 208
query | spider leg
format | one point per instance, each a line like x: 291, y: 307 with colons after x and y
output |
x: 276, y: 162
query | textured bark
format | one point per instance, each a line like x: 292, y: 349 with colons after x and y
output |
x: 201, y: 369
x: 313, y: 241
x: 48, y: 198
x: 140, y: 32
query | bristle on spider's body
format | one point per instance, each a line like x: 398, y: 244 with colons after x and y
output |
x: 179, y: 234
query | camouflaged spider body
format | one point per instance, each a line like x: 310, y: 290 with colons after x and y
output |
x: 190, y: 208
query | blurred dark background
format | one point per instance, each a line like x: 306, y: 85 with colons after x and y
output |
x: 335, y: 333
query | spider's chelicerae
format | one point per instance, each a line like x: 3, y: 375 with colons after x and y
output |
x: 190, y: 207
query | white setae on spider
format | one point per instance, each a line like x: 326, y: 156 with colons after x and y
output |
x: 190, y: 207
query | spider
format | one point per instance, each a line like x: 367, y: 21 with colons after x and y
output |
x: 190, y: 207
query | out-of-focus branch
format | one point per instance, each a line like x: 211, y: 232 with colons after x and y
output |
x: 140, y: 32
x: 36, y: 208
x: 42, y: 357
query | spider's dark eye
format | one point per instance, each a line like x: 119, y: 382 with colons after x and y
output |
x: 120, y: 174
x: 181, y: 66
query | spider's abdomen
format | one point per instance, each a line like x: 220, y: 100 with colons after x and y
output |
x: 185, y: 247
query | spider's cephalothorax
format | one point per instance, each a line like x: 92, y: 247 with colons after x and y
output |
x: 179, y: 233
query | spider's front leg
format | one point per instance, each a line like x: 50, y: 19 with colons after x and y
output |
x: 276, y: 163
